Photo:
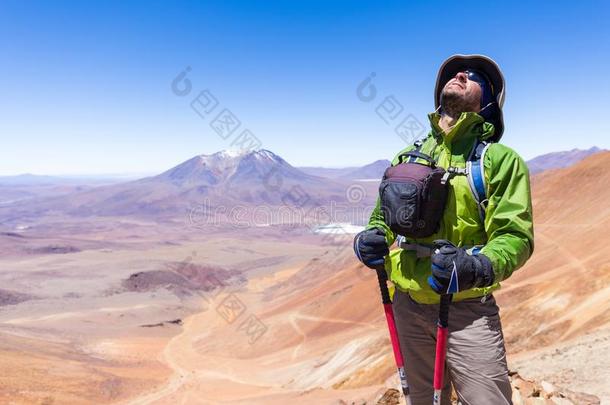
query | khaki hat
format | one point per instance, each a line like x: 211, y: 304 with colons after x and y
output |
x: 458, y: 63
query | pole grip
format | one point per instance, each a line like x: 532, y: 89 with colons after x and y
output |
x: 443, y: 311
x: 382, y: 278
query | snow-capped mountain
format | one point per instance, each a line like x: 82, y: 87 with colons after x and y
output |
x: 233, y: 167
x: 224, y: 178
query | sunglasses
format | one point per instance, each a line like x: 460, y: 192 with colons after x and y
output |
x: 478, y: 77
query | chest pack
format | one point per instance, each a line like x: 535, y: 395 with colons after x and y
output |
x: 413, y: 195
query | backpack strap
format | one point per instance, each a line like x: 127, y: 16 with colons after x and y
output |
x: 416, y: 154
x: 418, y: 144
x: 476, y: 176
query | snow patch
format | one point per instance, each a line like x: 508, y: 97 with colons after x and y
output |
x: 338, y: 228
x: 233, y: 153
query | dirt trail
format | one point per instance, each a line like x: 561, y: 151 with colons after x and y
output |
x: 175, y: 347
x: 193, y: 371
x: 198, y: 375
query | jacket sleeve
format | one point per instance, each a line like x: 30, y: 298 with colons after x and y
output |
x: 508, y: 219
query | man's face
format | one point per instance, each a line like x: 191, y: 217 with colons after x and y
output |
x: 461, y: 94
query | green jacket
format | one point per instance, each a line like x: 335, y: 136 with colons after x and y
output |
x: 507, y: 234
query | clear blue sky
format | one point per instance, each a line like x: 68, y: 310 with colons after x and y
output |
x: 86, y: 87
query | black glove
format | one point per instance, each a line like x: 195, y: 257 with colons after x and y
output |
x: 370, y: 247
x: 454, y: 270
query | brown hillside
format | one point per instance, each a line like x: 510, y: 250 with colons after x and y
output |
x: 563, y: 292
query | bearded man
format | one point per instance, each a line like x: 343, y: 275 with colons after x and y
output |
x: 480, y: 242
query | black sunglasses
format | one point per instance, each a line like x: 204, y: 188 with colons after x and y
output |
x: 478, y: 77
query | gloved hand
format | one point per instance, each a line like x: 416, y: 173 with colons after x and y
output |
x: 370, y: 247
x: 454, y: 270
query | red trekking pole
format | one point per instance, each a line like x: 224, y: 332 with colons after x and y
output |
x: 441, y: 347
x: 389, y: 315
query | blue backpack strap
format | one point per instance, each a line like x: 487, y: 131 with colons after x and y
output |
x: 476, y: 177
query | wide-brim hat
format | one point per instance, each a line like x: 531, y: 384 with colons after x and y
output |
x: 458, y: 63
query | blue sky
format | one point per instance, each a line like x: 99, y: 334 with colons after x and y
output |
x: 86, y: 88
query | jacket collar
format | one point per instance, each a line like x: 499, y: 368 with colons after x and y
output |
x: 469, y: 125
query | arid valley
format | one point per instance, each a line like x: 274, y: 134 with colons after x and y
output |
x: 131, y: 293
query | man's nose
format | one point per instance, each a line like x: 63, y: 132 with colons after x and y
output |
x: 462, y: 77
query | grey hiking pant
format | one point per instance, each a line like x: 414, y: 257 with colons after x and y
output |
x: 476, y: 358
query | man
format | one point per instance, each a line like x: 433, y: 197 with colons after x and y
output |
x: 469, y: 95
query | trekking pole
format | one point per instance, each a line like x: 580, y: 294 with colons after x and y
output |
x: 441, y: 347
x: 389, y: 315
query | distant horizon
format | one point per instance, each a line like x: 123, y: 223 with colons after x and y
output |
x: 136, y: 175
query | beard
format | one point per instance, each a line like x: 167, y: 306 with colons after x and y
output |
x: 454, y: 103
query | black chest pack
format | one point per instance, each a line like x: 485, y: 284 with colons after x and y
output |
x: 413, y: 195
